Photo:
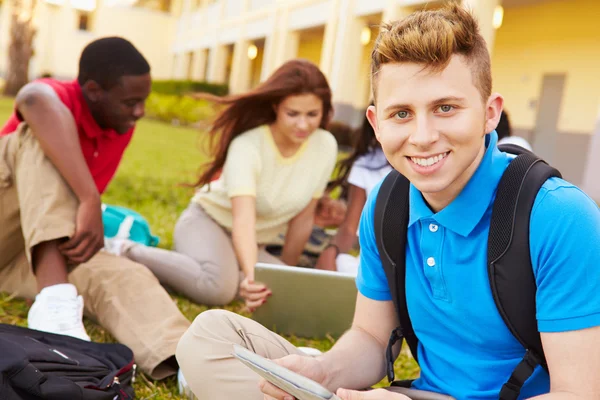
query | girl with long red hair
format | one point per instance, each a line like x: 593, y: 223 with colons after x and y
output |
x: 275, y: 158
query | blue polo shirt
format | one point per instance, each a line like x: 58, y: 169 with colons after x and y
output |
x: 465, y: 349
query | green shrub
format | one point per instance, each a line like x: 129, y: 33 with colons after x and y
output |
x: 183, y: 87
x: 181, y: 110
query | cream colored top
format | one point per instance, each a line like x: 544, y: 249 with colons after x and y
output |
x: 283, y: 186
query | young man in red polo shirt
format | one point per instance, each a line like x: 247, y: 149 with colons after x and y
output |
x: 58, y: 152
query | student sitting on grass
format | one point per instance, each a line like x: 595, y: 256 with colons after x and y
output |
x: 362, y: 171
x: 435, y: 116
x: 276, y: 159
x: 58, y: 152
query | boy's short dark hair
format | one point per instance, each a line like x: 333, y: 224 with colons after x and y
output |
x: 107, y: 60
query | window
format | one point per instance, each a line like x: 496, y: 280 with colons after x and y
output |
x: 190, y: 65
x: 83, y: 21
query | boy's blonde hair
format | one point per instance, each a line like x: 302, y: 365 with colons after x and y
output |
x: 431, y: 38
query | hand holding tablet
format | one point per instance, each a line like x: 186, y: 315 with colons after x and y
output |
x: 301, y: 387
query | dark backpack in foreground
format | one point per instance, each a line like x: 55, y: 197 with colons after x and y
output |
x: 509, y: 263
x: 37, y: 365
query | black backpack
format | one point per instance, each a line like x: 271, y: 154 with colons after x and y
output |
x: 509, y: 263
x: 37, y: 365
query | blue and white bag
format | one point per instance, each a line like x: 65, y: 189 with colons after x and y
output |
x: 123, y: 223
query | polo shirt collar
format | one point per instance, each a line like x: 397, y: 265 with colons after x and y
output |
x: 464, y: 213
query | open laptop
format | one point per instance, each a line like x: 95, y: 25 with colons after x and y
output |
x: 306, y: 302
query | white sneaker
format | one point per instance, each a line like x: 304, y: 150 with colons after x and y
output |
x: 184, y: 389
x: 58, y: 309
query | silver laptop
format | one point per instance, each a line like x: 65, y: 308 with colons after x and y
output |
x: 306, y: 302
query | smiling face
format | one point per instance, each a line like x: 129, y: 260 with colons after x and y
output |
x: 121, y: 106
x: 431, y: 125
x: 297, y: 117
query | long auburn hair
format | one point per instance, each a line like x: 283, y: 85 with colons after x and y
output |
x: 249, y: 110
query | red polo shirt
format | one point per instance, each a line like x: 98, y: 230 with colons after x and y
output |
x: 102, y: 148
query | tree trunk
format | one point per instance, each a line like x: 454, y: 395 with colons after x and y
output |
x: 20, y: 49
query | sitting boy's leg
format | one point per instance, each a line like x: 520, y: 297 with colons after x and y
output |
x: 40, y: 208
x: 14, y: 267
x: 204, y: 354
x: 16, y: 276
x: 48, y: 207
x: 127, y: 299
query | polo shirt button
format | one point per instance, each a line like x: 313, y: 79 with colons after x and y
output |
x: 433, y: 228
x: 96, y: 154
x: 431, y: 262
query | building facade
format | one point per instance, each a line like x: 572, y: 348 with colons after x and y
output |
x: 65, y: 27
x: 544, y: 54
x: 544, y: 59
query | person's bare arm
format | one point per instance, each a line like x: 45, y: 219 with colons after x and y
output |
x: 54, y: 127
x: 243, y: 234
x: 357, y: 360
x: 574, y: 364
x: 345, y: 238
x: 299, y: 230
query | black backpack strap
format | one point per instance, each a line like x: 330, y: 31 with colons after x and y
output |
x: 510, y: 270
x: 391, y: 225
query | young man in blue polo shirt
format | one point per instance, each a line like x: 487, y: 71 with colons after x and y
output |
x: 435, y: 116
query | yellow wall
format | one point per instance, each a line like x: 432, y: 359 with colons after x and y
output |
x: 310, y: 47
x: 151, y: 31
x: 553, y: 37
x: 58, y: 43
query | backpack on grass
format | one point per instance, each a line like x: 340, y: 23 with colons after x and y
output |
x: 37, y: 365
x: 510, y: 271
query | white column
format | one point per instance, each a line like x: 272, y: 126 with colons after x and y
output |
x: 287, y: 41
x: 330, y: 36
x: 200, y: 64
x: 240, y: 69
x: 393, y: 11
x: 346, y: 54
x: 270, y: 48
x: 484, y: 12
x: 216, y: 64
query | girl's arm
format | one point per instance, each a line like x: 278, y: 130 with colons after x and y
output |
x: 345, y: 238
x: 243, y: 234
x: 299, y: 230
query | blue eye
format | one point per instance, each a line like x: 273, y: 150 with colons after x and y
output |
x: 402, y: 114
x: 446, y: 108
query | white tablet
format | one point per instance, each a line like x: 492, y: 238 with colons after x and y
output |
x: 295, y: 384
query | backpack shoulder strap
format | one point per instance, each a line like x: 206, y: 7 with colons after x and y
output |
x: 510, y: 270
x: 391, y: 225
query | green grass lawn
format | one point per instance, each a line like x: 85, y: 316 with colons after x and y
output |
x: 159, y: 159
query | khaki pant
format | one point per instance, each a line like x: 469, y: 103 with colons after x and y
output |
x: 207, y: 274
x: 36, y: 205
x: 205, y: 356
